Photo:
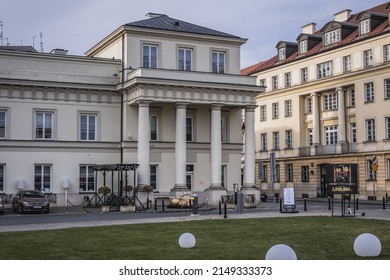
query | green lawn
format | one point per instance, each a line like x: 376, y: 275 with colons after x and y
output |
x: 326, y: 238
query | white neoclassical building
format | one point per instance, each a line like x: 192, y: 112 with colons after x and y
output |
x: 160, y: 94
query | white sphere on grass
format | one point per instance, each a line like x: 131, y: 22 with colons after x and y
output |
x: 280, y: 252
x: 367, y: 245
x: 187, y: 240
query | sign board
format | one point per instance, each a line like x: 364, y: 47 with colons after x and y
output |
x: 374, y: 163
x: 289, y: 198
x: 341, y: 178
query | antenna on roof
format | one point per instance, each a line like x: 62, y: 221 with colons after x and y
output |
x: 41, y: 49
x: 1, y: 32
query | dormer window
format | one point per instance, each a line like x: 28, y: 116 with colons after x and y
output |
x: 303, y: 47
x: 332, y: 37
x: 282, y: 54
x: 365, y: 26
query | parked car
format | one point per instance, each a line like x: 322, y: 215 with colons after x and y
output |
x: 1, y: 206
x: 30, y: 201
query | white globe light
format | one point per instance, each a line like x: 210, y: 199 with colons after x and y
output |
x: 280, y: 252
x: 367, y: 245
x: 187, y: 240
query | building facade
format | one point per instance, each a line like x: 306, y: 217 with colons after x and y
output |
x: 327, y: 102
x: 161, y: 94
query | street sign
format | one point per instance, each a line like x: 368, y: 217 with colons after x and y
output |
x: 374, y: 163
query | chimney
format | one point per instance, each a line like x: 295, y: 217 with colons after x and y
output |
x: 343, y: 15
x: 153, y: 15
x: 309, y: 28
x: 59, y: 51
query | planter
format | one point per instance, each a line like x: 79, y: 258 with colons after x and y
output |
x: 127, y: 208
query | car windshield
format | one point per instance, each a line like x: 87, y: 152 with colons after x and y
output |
x: 33, y: 194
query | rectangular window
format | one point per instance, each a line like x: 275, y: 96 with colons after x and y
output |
x: 304, y: 75
x: 87, y: 178
x: 332, y: 37
x: 3, y: 124
x: 262, y: 83
x: 44, y: 125
x: 324, y: 69
x: 353, y: 133
x: 370, y: 130
x: 288, y: 139
x: 263, y: 173
x: 387, y: 88
x: 369, y: 92
x: 150, y: 56
x: 371, y: 175
x: 367, y: 56
x: 330, y: 101
x: 309, y: 106
x: 224, y: 176
x: 218, y: 62
x: 305, y: 173
x: 2, y: 178
x: 224, y: 130
x: 154, y: 176
x: 347, y: 63
x: 303, y: 47
x: 386, y: 53
x: 364, y: 26
x: 331, y: 135
x: 287, y: 79
x: 275, y: 110
x: 275, y: 82
x: 289, y: 172
x: 288, y: 108
x: 185, y: 59
x: 352, y: 98
x: 263, y: 113
x: 190, y: 176
x: 387, y: 128
x: 388, y: 169
x: 189, y: 129
x: 153, y: 127
x: 310, y: 136
x: 275, y: 140
x: 282, y: 54
x: 88, y: 127
x: 42, y: 177
x: 263, y: 139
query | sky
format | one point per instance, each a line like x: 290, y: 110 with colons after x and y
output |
x: 77, y: 25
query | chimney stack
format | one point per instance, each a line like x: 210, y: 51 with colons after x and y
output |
x: 309, y: 28
x: 343, y: 15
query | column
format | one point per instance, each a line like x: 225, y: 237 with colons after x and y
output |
x: 180, y: 147
x: 250, y: 149
x: 342, y: 137
x: 316, y: 119
x: 216, y: 147
x: 143, y: 171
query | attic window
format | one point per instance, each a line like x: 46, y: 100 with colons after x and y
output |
x: 282, y: 53
x: 364, y: 26
x: 332, y: 37
x: 303, y: 47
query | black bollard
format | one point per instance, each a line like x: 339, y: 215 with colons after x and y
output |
x: 384, y: 203
x: 280, y: 206
x: 220, y: 207
x: 304, y: 204
x: 387, y: 198
x: 155, y: 204
x: 162, y: 205
x: 357, y: 203
x: 225, y: 210
x: 329, y: 203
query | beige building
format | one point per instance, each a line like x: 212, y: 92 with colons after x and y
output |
x: 160, y: 94
x: 327, y: 101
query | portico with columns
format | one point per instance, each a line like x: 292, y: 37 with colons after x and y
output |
x: 213, y: 160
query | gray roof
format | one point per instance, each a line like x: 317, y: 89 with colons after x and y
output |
x: 18, y: 48
x: 164, y: 22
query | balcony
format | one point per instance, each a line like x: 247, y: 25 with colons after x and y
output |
x: 340, y: 148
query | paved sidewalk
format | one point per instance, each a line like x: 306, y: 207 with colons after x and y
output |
x: 382, y: 214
